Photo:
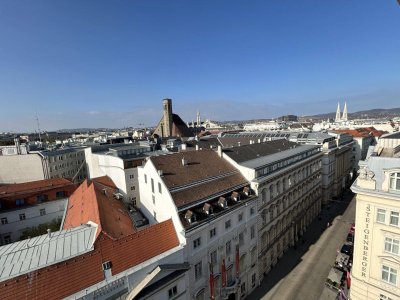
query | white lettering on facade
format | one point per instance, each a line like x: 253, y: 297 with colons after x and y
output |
x: 366, y: 231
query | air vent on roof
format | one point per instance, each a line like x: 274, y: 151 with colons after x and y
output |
x: 160, y: 172
x: 118, y: 196
x: 104, y: 191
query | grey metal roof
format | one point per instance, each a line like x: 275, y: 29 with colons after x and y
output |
x: 31, y: 254
x: 269, y: 159
x: 395, y: 135
x: 378, y: 164
x: 61, y: 151
x: 295, y: 136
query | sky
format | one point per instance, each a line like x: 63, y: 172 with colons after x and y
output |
x: 110, y: 63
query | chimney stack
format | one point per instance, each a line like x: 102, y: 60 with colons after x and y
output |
x: 219, y: 150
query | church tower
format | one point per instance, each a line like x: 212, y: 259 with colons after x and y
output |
x: 167, y: 121
x: 337, y: 119
x: 344, y: 116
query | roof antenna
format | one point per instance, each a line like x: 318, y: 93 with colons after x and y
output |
x: 38, y: 125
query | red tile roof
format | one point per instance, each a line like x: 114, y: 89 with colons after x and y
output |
x: 34, y: 186
x: 71, y: 276
x: 95, y: 201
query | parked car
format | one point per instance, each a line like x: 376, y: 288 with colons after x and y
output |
x: 350, y: 238
x: 352, y: 228
x: 347, y: 249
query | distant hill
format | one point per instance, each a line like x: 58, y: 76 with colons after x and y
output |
x: 364, y: 114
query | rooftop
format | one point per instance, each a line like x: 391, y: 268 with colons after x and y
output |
x: 38, y: 252
x: 193, y: 176
x: 33, y: 186
x: 96, y: 201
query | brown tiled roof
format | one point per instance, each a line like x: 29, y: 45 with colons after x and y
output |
x: 65, y: 278
x: 359, y: 132
x: 205, y: 175
x: 34, y: 186
x: 95, y: 201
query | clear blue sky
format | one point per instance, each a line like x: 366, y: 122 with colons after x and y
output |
x: 110, y: 63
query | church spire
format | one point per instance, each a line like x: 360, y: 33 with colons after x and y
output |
x: 337, y: 119
x: 344, y: 116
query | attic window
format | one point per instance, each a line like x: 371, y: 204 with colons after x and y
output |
x: 107, y: 265
x: 207, y: 208
x: 246, y: 190
x: 190, y: 217
x: 222, y: 202
x: 235, y: 196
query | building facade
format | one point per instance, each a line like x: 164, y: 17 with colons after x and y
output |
x: 287, y: 178
x: 376, y: 266
x: 214, y: 213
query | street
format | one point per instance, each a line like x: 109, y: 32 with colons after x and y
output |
x: 301, y: 273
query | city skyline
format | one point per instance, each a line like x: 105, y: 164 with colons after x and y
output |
x: 110, y: 65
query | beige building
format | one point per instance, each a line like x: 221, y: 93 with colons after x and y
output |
x: 376, y: 267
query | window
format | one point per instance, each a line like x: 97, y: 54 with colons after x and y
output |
x: 228, y: 248
x: 132, y: 176
x: 60, y: 194
x: 392, y: 245
x: 197, y: 271
x: 152, y: 185
x: 380, y: 215
x: 213, y: 232
x: 227, y: 224
x: 42, y: 211
x: 41, y: 198
x: 22, y: 217
x: 213, y: 257
x: 155, y: 215
x: 132, y: 188
x: 394, y: 218
x: 19, y: 202
x: 384, y: 297
x: 252, y: 211
x: 389, y: 274
x: 395, y: 181
x: 145, y: 178
x: 241, y: 239
x: 240, y: 217
x: 4, y: 221
x: 107, y: 265
x: 252, y: 232
x: 172, y: 292
x: 243, y: 288
x: 197, y: 243
x: 159, y: 188
x: 253, y: 280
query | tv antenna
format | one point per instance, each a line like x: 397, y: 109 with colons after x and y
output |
x: 38, y: 126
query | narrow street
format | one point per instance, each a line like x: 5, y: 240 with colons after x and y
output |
x: 300, y: 274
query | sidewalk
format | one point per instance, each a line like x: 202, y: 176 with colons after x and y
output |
x: 301, y: 272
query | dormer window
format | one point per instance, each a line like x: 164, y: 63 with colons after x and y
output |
x: 207, y: 208
x: 246, y: 190
x: 222, y: 202
x: 235, y: 196
x: 190, y: 216
x: 395, y: 181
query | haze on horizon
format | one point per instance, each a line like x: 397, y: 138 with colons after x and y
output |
x: 110, y: 64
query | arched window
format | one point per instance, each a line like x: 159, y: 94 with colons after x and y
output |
x: 264, y: 195
x: 395, y: 181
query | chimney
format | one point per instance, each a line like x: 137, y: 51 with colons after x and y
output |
x: 239, y: 144
x: 49, y: 232
x: 259, y: 141
x: 197, y: 147
x: 183, y: 146
x: 160, y: 172
x: 184, y: 162
x: 219, y: 150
